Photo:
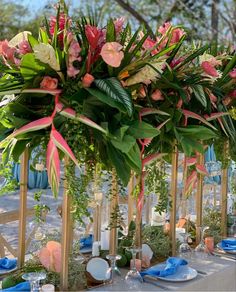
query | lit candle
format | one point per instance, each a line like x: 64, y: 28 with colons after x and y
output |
x: 48, y: 288
x: 138, y: 264
x: 105, y: 234
x: 98, y: 197
x: 209, y: 242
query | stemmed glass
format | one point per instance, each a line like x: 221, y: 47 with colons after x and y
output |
x: 185, y: 250
x: 37, y: 235
x: 201, y: 249
x: 232, y: 231
x: 34, y: 279
x: 113, y: 273
x: 133, y: 276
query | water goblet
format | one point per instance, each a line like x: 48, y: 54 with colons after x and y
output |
x: 185, y: 250
x: 113, y: 273
x: 201, y: 250
x: 133, y: 277
x: 34, y: 280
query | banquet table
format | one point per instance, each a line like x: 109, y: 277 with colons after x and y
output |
x: 214, y: 274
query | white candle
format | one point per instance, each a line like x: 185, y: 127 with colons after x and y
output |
x: 98, y: 197
x: 105, y: 234
x: 95, y: 249
x: 48, y: 288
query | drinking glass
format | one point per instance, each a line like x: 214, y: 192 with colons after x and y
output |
x: 34, y: 279
x: 232, y: 231
x: 37, y: 234
x: 185, y: 250
x: 201, y: 250
x: 133, y: 277
x: 113, y: 273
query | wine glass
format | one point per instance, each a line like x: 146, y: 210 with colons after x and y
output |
x: 201, y: 249
x: 232, y: 231
x: 133, y: 277
x: 37, y: 235
x: 34, y: 279
x: 185, y: 250
x: 113, y: 273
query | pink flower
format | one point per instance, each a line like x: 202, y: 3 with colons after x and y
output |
x: 233, y: 93
x: 50, y: 256
x: 72, y: 71
x: 232, y: 74
x: 157, y: 95
x: 74, y: 49
x: 87, y: 80
x: 175, y: 62
x: 49, y: 83
x: 112, y: 54
x: 8, y: 53
x: 118, y: 23
x: 24, y: 47
x: 209, y: 69
x: 179, y: 103
x: 3, y: 47
x: 177, y: 34
x: 93, y: 35
x: 149, y: 44
x: 61, y: 26
x: 142, y: 92
x: 163, y: 29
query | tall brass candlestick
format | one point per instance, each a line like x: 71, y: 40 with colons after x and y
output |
x: 173, y: 192
x: 224, y: 192
x: 23, y: 206
x: 113, y: 208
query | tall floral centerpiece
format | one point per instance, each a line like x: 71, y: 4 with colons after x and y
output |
x: 113, y: 95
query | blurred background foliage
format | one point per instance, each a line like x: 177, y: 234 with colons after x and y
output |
x: 205, y: 20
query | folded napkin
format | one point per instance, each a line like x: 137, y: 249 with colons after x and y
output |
x: 7, y: 264
x: 87, y: 241
x: 171, y: 268
x: 23, y: 286
x: 228, y: 244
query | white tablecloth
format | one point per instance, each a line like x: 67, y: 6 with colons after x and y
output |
x: 220, y: 276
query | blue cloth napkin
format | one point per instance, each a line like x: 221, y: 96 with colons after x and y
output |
x: 23, y: 286
x: 171, y: 268
x: 7, y: 264
x: 228, y: 244
x: 86, y: 242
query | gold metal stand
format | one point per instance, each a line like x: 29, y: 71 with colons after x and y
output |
x: 23, y: 207
x: 173, y: 192
x: 131, y: 199
x: 224, y: 192
x: 113, y: 207
x: 199, y: 200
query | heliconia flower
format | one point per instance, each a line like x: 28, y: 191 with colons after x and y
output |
x: 209, y: 69
x: 112, y: 54
x: 157, y: 95
x: 87, y: 80
x: 24, y: 47
x: 46, y: 54
x: 50, y: 256
x: 232, y: 74
x: 201, y: 169
x: 118, y: 23
x: 163, y: 29
x: 49, y: 83
x: 93, y: 35
x: 191, y: 161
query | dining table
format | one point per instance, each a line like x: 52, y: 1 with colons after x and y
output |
x: 214, y: 273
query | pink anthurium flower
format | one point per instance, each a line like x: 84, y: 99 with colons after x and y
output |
x: 112, y: 54
x: 50, y: 256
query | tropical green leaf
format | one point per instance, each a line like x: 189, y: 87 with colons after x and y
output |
x: 142, y: 130
x: 110, y: 31
x: 114, y: 90
x: 197, y: 132
x: 32, y: 41
x: 124, y: 144
x: 200, y: 94
x: 30, y: 67
x: 133, y: 158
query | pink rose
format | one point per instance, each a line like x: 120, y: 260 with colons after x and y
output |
x: 24, y: 47
x: 87, y: 80
x: 112, y: 54
x: 49, y: 83
x: 157, y: 95
x: 232, y: 74
x: 209, y: 69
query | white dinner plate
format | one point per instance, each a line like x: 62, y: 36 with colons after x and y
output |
x: 183, y: 273
x: 4, y: 271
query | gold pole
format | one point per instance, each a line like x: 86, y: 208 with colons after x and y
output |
x: 66, y: 234
x: 224, y: 192
x: 23, y: 207
x: 199, y: 200
x: 130, y: 199
x: 113, y: 208
x: 147, y: 209
x: 173, y: 192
